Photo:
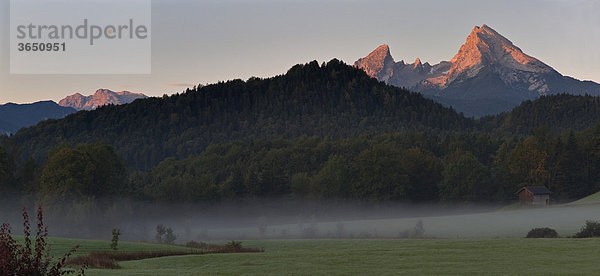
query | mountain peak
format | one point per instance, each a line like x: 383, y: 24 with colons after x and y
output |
x: 383, y: 48
x: 417, y: 63
x: 99, y: 98
x: 103, y: 91
x: 487, y: 35
x: 378, y: 63
x: 485, y: 47
x: 488, y: 70
x: 483, y: 27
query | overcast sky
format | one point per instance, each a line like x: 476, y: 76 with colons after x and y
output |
x: 208, y: 41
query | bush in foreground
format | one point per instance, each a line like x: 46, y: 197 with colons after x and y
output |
x: 591, y: 229
x: 544, y: 232
x: 22, y: 259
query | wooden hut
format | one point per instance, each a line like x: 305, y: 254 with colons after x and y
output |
x: 536, y: 195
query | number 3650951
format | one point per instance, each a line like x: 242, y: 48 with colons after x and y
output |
x: 36, y: 47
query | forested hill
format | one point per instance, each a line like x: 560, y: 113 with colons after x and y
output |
x: 557, y: 112
x: 331, y: 100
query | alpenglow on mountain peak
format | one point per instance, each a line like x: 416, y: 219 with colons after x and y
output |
x: 488, y: 75
x: 99, y: 98
x: 378, y: 63
x: 486, y: 47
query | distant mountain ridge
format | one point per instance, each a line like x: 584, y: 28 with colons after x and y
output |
x: 99, y: 98
x: 487, y: 76
x: 16, y: 116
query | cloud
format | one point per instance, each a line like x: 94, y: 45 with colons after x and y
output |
x: 177, y: 84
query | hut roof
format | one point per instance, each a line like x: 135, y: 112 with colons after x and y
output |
x: 536, y: 190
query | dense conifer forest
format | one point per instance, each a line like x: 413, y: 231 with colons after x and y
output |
x: 332, y: 100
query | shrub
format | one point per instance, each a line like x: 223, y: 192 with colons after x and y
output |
x: 169, y: 237
x: 109, y: 259
x: 195, y: 244
x: 115, y: 238
x: 160, y: 232
x: 591, y: 229
x: 544, y: 232
x: 419, y: 230
x: 234, y: 246
x: 413, y: 233
x: 96, y: 260
x: 165, y: 235
x: 230, y: 247
x: 22, y: 259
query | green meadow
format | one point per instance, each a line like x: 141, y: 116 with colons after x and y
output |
x: 366, y: 257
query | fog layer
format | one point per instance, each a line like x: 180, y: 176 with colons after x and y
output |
x: 284, y: 218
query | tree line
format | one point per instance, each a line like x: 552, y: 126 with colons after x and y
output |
x: 409, y: 167
x: 413, y: 167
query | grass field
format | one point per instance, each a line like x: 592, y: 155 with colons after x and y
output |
x: 368, y: 257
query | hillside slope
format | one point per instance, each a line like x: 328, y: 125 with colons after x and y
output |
x: 15, y: 116
x: 557, y: 112
x: 332, y: 100
x: 592, y: 199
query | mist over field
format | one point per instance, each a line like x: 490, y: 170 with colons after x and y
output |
x: 287, y: 218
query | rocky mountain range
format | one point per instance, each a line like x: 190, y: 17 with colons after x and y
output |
x: 99, y: 98
x: 488, y: 75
